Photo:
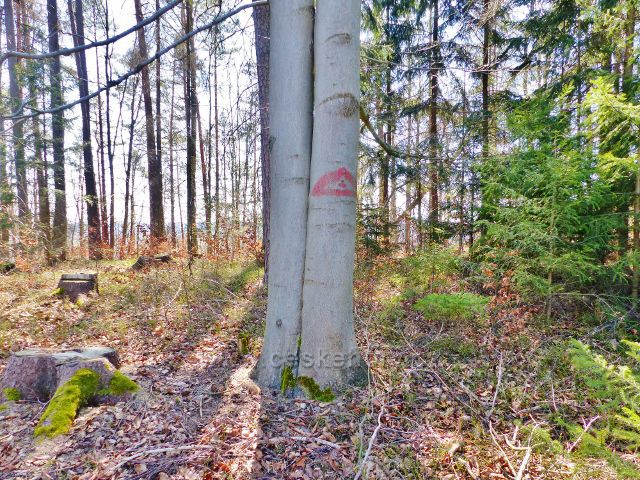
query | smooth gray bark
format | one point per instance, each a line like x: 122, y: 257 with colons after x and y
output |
x: 291, y: 102
x: 329, y: 352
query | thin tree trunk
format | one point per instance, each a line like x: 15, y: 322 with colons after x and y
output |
x: 261, y: 29
x: 434, y: 201
x: 44, y: 212
x: 485, y: 78
x: 635, y: 282
x: 159, y: 117
x: 110, y: 147
x: 4, y: 186
x: 59, y: 240
x: 128, y: 167
x: 328, y: 352
x: 190, y: 115
x: 156, y: 202
x: 205, y: 181
x: 217, y: 142
x: 15, y: 93
x: 172, y: 192
x: 91, y: 197
x: 408, y: 185
x: 104, y: 221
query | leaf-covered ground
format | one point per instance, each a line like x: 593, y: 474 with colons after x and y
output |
x: 450, y: 398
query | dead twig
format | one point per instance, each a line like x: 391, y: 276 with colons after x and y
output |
x: 162, y: 450
x: 495, y: 393
x: 304, y: 439
x: 504, y: 454
x: 586, y: 426
x: 372, y: 441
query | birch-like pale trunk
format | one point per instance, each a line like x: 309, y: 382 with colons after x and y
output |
x: 291, y: 103
x: 329, y: 352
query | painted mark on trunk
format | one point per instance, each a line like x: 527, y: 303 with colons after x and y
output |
x: 339, y: 183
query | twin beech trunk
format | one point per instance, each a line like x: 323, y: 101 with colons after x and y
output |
x: 327, y: 351
x: 291, y: 118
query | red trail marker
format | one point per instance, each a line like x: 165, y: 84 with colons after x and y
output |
x: 339, y: 183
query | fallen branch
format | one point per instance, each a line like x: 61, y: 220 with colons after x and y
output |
x: 304, y: 439
x: 162, y: 450
x: 495, y: 393
x: 523, y: 465
x: 586, y: 427
x: 372, y: 441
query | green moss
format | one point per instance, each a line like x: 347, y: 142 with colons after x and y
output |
x: 313, y: 391
x: 3, y: 407
x: 58, y: 417
x: 287, y: 379
x: 58, y: 292
x: 12, y: 394
x: 454, y: 306
x: 121, y: 384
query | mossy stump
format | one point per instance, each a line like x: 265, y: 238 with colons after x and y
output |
x: 74, y: 285
x: 36, y: 374
x: 68, y: 380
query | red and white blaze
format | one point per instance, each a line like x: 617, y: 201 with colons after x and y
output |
x: 339, y: 183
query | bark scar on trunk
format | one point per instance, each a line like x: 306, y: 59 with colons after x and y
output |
x: 348, y: 103
x: 340, y: 38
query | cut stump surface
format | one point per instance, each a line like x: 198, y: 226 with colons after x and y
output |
x: 37, y: 374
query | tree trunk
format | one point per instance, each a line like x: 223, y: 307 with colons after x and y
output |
x: 434, y: 201
x: 159, y: 128
x: 156, y: 205
x: 485, y: 78
x: 291, y: 103
x: 329, y: 352
x: 205, y: 180
x: 190, y: 115
x: 261, y: 29
x: 407, y: 193
x: 59, y: 237
x: 15, y: 93
x: 110, y: 149
x: 128, y: 169
x: 4, y: 185
x: 217, y: 143
x: 104, y: 221
x: 172, y: 192
x: 91, y: 197
x: 44, y: 212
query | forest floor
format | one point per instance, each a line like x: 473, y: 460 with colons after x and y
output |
x: 448, y: 399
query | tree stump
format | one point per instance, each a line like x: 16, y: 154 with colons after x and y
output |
x: 147, y: 261
x: 76, y: 284
x: 36, y: 374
